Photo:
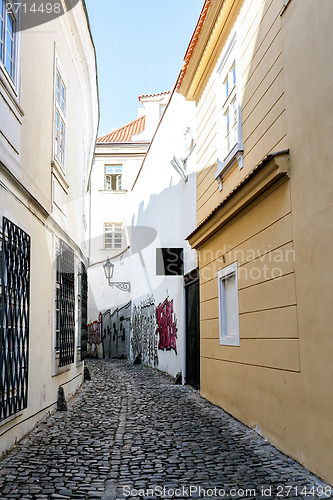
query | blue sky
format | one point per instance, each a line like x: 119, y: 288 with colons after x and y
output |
x: 140, y: 47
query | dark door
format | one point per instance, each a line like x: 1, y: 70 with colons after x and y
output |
x: 192, y: 305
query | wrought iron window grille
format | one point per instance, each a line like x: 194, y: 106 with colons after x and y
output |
x: 84, y: 310
x: 65, y: 304
x: 14, y: 319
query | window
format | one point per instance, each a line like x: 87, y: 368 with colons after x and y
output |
x: 169, y: 262
x: 161, y: 109
x: 14, y: 319
x: 113, y: 235
x: 230, y: 146
x: 230, y: 110
x: 60, y: 119
x: 65, y: 304
x: 228, y: 305
x: 7, y: 39
x: 82, y: 311
x: 113, y: 177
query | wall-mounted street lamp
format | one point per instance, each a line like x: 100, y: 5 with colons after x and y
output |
x: 108, y: 269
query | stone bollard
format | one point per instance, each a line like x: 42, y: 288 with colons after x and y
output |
x: 137, y: 360
x: 61, y: 401
x: 86, y: 374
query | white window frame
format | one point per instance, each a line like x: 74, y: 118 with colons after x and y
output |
x: 227, y: 338
x: 3, y: 40
x: 119, y: 177
x: 62, y: 113
x: 12, y: 80
x: 161, y: 109
x: 112, y: 233
x: 227, y: 101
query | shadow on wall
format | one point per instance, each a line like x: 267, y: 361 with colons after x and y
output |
x: 109, y: 336
x: 153, y: 329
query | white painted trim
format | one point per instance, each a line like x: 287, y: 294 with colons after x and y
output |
x: 228, y: 340
x: 59, y: 68
x: 225, y: 163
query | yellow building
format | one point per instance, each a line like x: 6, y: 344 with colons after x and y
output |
x: 48, y: 127
x: 260, y: 72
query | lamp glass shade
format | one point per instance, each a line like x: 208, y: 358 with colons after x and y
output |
x: 108, y: 269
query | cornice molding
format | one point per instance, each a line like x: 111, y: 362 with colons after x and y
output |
x: 209, y: 46
x: 272, y: 171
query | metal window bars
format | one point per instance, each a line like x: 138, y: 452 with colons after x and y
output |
x: 14, y: 319
x: 65, y: 304
x: 84, y: 311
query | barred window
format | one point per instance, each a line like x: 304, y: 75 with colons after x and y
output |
x: 65, y: 304
x: 14, y: 319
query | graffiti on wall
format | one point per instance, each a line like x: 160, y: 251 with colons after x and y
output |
x: 143, y: 327
x: 109, y: 336
x: 94, y: 331
x: 166, y: 326
x: 116, y: 332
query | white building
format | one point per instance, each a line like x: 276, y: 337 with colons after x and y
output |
x: 48, y: 126
x: 164, y: 202
x: 143, y: 207
x: 118, y: 158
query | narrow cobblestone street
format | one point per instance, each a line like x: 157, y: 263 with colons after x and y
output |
x: 131, y: 429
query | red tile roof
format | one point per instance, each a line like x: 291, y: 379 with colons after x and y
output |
x: 124, y: 134
x: 153, y: 95
x: 193, y: 42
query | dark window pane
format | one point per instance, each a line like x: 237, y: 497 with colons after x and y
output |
x: 169, y: 262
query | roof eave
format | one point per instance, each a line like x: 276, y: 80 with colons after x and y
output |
x: 272, y: 169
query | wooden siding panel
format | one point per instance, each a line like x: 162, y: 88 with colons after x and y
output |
x: 209, y: 328
x: 275, y: 323
x: 265, y: 143
x: 274, y: 236
x: 262, y: 31
x: 206, y: 117
x: 209, y: 309
x: 256, y: 129
x: 255, y: 114
x: 249, y: 101
x: 265, y: 213
x: 277, y: 263
x: 279, y: 292
x: 281, y: 354
x: 257, y: 74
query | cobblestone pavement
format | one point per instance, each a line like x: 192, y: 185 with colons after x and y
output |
x: 131, y: 429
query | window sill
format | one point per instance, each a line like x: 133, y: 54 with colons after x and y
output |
x: 9, y: 93
x: 12, y: 417
x: 285, y: 6
x: 112, y: 249
x: 59, y: 369
x: 59, y: 173
x: 229, y: 342
x: 111, y: 191
x: 223, y: 167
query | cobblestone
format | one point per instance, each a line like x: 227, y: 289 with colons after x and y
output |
x: 131, y: 432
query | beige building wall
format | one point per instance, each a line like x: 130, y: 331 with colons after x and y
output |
x: 261, y: 88
x: 279, y: 233
x: 40, y: 197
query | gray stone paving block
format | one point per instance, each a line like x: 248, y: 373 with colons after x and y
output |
x: 130, y: 426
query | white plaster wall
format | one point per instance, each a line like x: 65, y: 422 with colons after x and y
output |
x: 165, y: 203
x: 110, y: 206
x: 29, y: 204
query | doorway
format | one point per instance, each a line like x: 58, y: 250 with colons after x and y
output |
x: 192, y: 308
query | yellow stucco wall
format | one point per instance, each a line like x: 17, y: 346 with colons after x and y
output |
x: 261, y: 75
x: 280, y: 377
